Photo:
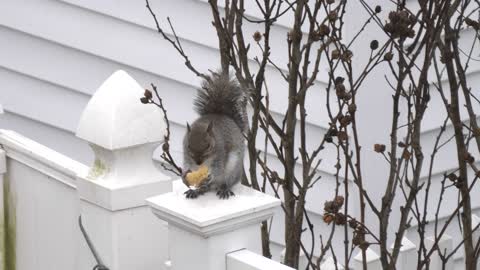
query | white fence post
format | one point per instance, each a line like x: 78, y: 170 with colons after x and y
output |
x: 329, y: 264
x: 302, y: 259
x: 202, y: 231
x: 247, y: 260
x: 407, y: 258
x: 123, y: 134
x: 373, y: 260
x: 3, y: 226
x: 476, y: 233
x: 445, y: 246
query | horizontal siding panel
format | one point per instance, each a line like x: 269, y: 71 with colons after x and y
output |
x: 60, y: 140
x: 85, y: 31
x: 446, y: 157
x: 41, y: 100
x: 181, y: 13
x: 81, y: 72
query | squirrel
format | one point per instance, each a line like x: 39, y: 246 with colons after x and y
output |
x: 216, y: 138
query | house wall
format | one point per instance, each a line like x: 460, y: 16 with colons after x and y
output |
x: 55, y: 54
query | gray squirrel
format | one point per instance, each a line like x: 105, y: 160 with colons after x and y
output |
x: 216, y: 138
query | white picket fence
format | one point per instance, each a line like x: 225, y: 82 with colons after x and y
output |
x: 117, y: 195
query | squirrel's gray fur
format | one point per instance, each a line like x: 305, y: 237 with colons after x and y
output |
x: 216, y: 138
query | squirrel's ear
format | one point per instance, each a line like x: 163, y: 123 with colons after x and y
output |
x: 188, y: 127
x: 210, y: 127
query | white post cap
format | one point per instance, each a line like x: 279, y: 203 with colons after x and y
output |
x: 208, y: 215
x: 115, y: 118
x: 123, y: 134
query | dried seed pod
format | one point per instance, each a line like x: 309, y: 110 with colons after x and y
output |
x: 346, y: 120
x: 332, y: 15
x: 339, y: 200
x: 406, y: 154
x: 388, y: 56
x: 378, y: 9
x: 352, y: 108
x: 452, y: 177
x: 323, y: 30
x: 357, y: 239
x: 165, y: 147
x: 328, y: 218
x: 339, y: 80
x: 342, y: 136
x: 257, y: 36
x: 340, y: 219
x: 364, y: 245
x: 379, y: 148
x: 468, y: 157
x: 347, y: 55
x: 374, y: 44
x: 148, y: 94
x: 335, y: 54
x: 144, y: 100
x: 352, y: 223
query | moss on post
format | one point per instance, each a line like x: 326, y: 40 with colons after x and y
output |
x: 8, y: 227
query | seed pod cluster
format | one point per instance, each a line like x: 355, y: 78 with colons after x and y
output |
x: 332, y: 213
x: 400, y: 24
x: 147, y: 97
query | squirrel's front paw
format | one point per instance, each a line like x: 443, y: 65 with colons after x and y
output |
x: 225, y: 193
x: 191, y: 194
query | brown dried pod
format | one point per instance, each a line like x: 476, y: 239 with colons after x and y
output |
x: 468, y: 157
x: 339, y: 80
x: 346, y: 120
x: 401, y: 144
x: 357, y: 239
x: 257, y: 36
x: 388, y: 56
x: 335, y: 54
x: 332, y: 15
x: 339, y: 200
x: 148, y: 94
x: 330, y: 207
x: 352, y: 223
x: 144, y: 100
x: 379, y: 148
x: 374, y: 44
x: 340, y: 219
x: 347, y: 56
x: 364, y: 245
x: 352, y: 108
x: 165, y: 147
x: 323, y: 30
x: 342, y: 136
x: 328, y: 218
x: 452, y: 177
x: 406, y: 154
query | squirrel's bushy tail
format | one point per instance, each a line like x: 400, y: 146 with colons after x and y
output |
x: 223, y: 95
